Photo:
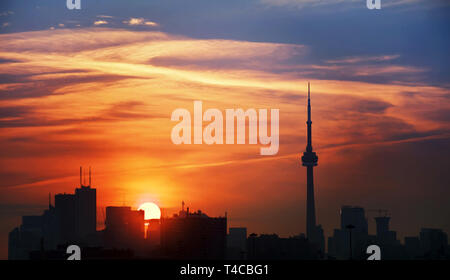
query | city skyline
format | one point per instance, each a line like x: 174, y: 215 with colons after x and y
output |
x: 128, y: 234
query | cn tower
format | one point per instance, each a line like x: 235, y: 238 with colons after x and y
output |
x: 309, y: 159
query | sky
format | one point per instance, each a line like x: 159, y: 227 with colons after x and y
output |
x: 97, y: 86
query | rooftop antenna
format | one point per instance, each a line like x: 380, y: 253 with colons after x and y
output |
x: 81, y: 168
x: 89, y: 176
x: 84, y: 178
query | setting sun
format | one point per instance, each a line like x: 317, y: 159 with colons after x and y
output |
x: 152, y: 210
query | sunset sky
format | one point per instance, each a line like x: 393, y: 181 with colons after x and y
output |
x: 97, y: 87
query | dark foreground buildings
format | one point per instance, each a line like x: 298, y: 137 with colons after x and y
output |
x: 124, y: 229
x: 193, y: 236
x: 186, y: 235
x: 273, y: 247
x: 73, y: 219
x: 353, y: 238
x: 269, y: 247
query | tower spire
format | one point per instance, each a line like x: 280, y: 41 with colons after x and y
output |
x: 309, y: 122
x: 309, y: 160
x: 81, y: 175
x: 89, y: 176
x: 308, y: 93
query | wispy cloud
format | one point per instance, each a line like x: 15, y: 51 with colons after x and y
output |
x: 100, y: 22
x: 359, y: 59
x: 7, y: 13
x: 104, y: 16
x: 343, y: 3
x: 306, y: 3
x: 139, y: 21
x: 147, y: 57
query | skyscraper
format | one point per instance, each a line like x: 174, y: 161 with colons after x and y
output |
x: 309, y: 159
x: 66, y: 217
x: 86, y: 208
x: 352, y: 239
x: 77, y: 213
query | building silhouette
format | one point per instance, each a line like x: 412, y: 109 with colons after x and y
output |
x: 28, y: 236
x: 153, y: 233
x: 273, y: 247
x: 314, y: 232
x: 193, y: 235
x: 353, y: 238
x: 434, y: 244
x: 66, y: 217
x: 86, y: 208
x: 237, y: 243
x: 124, y: 228
x: 350, y: 241
x: 71, y: 220
x: 412, y: 247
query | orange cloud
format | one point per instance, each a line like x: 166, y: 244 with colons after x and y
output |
x: 100, y: 22
x: 103, y: 97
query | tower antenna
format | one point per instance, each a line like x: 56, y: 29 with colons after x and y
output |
x: 89, y: 176
x: 81, y: 171
x: 308, y: 90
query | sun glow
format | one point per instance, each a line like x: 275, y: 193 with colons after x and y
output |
x: 151, y: 210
